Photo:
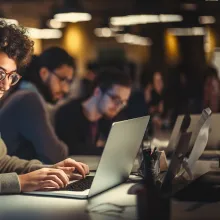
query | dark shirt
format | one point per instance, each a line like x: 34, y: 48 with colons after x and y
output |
x: 76, y: 130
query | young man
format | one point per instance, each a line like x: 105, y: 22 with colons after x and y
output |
x: 77, y: 122
x: 15, y: 51
x: 28, y: 132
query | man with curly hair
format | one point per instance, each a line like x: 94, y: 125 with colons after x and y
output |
x: 16, y: 174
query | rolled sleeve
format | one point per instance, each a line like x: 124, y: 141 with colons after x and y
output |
x: 9, y: 183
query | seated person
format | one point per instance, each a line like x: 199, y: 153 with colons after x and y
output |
x: 77, y: 123
x: 28, y: 132
x: 14, y: 176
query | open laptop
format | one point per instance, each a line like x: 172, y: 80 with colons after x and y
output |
x: 188, y: 144
x: 116, y: 163
x: 195, y: 123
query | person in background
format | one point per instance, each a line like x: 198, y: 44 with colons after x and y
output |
x: 77, y: 123
x: 156, y: 102
x: 88, y: 80
x: 83, y: 87
x: 211, y: 95
x: 138, y: 104
x: 28, y: 132
x: 21, y: 175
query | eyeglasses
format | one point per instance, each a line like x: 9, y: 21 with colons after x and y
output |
x: 117, y: 101
x: 62, y: 79
x: 13, y: 77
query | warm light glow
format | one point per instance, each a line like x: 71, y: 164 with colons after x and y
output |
x: 53, y: 23
x: 209, y: 44
x: 133, y: 39
x: 206, y: 20
x: 194, y: 31
x: 37, y: 46
x: 171, y: 48
x: 10, y: 21
x: 144, y: 19
x: 72, y: 17
x: 36, y: 33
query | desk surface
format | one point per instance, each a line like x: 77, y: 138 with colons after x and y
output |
x: 104, y: 206
x: 112, y: 204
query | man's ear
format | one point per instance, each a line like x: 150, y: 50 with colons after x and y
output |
x: 97, y: 91
x: 44, y: 74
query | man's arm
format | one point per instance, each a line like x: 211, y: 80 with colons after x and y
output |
x: 14, y: 164
x: 9, y: 181
x: 33, y: 123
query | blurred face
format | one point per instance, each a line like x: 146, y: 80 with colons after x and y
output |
x: 114, y: 100
x: 9, y: 66
x: 59, y: 81
x: 158, y: 82
x: 211, y: 86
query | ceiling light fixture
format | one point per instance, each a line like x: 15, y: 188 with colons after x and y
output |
x: 36, y: 33
x: 144, y: 19
x: 133, y: 39
x: 72, y: 12
x: 194, y: 31
x: 10, y: 21
x: 53, y: 23
x: 207, y: 20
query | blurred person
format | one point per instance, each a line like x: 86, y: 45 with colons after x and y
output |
x: 138, y: 104
x: 156, y: 102
x: 88, y: 81
x: 21, y: 175
x: 28, y: 132
x: 212, y: 92
x: 78, y: 122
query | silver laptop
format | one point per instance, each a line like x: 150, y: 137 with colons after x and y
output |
x: 188, y: 147
x: 195, y: 123
x: 116, y: 163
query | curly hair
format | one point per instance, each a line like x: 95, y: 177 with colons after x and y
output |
x: 15, y: 43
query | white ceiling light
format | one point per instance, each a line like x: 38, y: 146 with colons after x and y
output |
x: 72, y: 17
x: 10, y: 21
x: 133, y: 39
x: 206, y: 20
x: 170, y: 18
x: 144, y: 19
x: 134, y: 19
x: 36, y: 33
x: 194, y: 31
x: 104, y: 32
x: 53, y: 23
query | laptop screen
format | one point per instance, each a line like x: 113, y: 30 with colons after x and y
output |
x: 190, y: 144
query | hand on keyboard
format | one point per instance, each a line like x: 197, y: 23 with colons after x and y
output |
x: 68, y: 165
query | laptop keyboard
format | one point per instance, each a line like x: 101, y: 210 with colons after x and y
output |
x: 80, y: 185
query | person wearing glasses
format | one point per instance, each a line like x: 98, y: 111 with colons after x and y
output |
x: 18, y: 175
x: 28, y: 132
x: 77, y: 123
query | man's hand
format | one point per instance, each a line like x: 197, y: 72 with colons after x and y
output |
x: 69, y: 165
x: 43, y: 179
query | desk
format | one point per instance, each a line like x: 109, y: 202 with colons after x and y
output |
x: 22, y: 207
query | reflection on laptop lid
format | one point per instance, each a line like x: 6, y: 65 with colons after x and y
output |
x: 118, y: 157
x: 189, y: 147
